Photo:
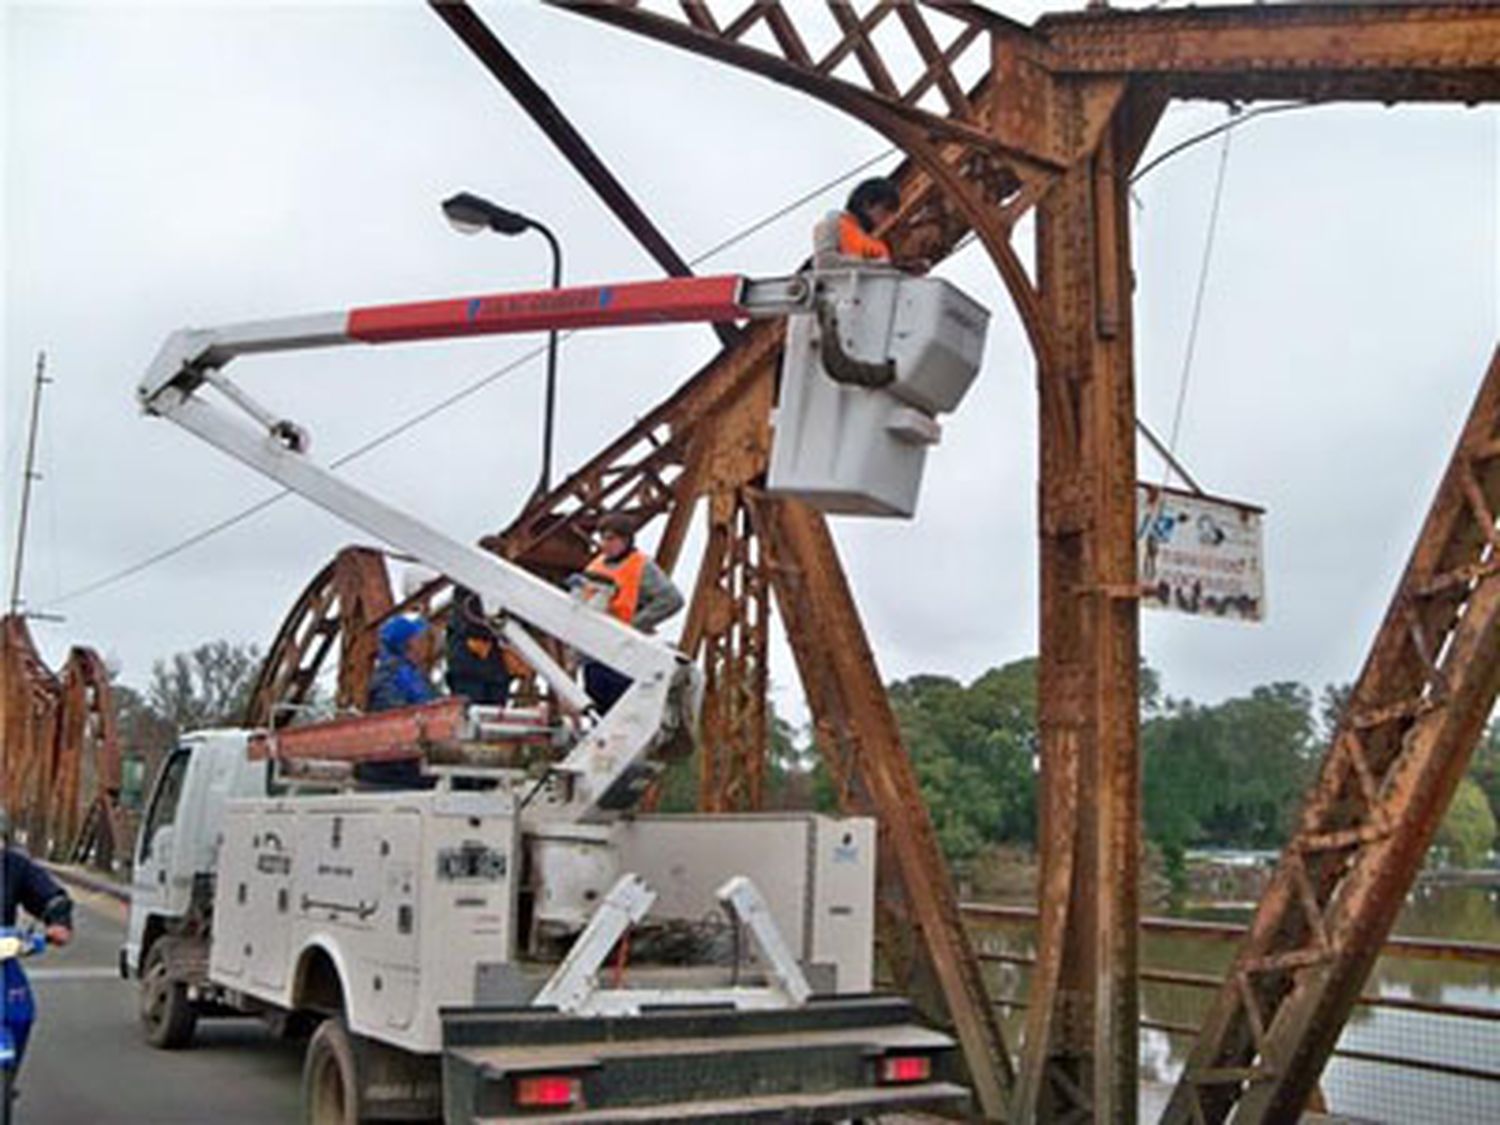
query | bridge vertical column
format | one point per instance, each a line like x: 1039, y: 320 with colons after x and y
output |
x: 1082, y: 1037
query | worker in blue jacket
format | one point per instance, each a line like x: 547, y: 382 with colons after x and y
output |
x: 399, y: 680
x: 25, y: 885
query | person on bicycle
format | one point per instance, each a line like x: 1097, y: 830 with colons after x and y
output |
x: 26, y: 885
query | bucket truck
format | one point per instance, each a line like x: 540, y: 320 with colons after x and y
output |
x: 512, y: 940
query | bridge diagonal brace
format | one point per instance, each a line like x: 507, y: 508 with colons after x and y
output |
x: 1319, y: 928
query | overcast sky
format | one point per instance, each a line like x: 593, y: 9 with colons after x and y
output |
x: 195, y: 165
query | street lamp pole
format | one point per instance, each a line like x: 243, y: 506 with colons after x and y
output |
x: 471, y: 214
x: 549, y: 407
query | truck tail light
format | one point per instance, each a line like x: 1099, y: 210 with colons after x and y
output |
x: 897, y: 1069
x: 548, y: 1091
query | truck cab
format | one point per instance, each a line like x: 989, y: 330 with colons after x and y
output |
x: 180, y: 835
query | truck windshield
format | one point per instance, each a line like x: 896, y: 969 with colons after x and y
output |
x: 163, y: 810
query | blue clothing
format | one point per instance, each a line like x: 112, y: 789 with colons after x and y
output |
x: 398, y: 682
x: 18, y: 1009
x: 25, y: 885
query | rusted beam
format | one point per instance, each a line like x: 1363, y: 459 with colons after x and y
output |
x: 871, y: 105
x: 1347, y: 52
x: 849, y: 700
x: 1082, y: 1038
x: 59, y: 751
x: 1379, y: 797
x: 29, y: 701
x: 509, y: 72
x: 87, y: 776
x: 343, y: 604
x: 728, y: 628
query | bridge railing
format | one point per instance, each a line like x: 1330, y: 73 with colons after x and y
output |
x: 1422, y: 1046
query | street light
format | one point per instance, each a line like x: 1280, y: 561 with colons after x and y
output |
x: 470, y: 214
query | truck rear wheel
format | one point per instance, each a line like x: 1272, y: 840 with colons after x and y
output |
x: 331, y: 1089
x: 166, y: 1012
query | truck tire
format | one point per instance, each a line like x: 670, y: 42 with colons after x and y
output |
x: 332, y: 1092
x: 167, y: 1014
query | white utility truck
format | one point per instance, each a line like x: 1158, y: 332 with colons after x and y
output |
x: 509, y: 939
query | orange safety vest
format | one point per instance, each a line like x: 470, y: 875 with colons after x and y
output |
x: 626, y: 575
x: 855, y: 243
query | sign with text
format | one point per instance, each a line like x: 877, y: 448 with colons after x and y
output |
x: 1199, y: 554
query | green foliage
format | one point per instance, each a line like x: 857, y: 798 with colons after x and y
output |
x: 1229, y: 774
x: 1468, y: 831
x: 1484, y: 768
x: 972, y: 749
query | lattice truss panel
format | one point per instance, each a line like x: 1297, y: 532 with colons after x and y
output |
x: 920, y: 57
x: 60, y: 763
x: 1401, y: 748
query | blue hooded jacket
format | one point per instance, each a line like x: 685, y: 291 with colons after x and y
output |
x: 398, y: 682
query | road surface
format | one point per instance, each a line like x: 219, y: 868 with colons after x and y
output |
x: 88, y: 1063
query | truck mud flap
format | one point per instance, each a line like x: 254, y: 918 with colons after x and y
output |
x: 830, y: 1060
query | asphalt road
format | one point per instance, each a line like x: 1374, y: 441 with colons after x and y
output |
x: 87, y: 1061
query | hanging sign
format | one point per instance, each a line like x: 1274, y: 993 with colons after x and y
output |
x: 1199, y: 555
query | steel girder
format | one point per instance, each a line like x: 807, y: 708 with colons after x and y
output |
x: 1364, y: 51
x: 861, y: 742
x: 728, y: 629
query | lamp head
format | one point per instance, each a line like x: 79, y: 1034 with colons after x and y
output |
x: 469, y: 214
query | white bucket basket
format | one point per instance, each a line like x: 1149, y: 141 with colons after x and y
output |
x: 862, y: 384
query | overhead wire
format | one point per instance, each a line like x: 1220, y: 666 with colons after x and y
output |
x: 1239, y: 118
x: 1190, y: 350
x: 443, y: 404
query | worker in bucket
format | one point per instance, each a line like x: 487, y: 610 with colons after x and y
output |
x: 476, y: 661
x: 635, y: 590
x: 399, y: 680
x: 847, y: 238
x: 26, y: 885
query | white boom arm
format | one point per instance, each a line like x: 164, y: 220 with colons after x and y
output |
x: 888, y: 353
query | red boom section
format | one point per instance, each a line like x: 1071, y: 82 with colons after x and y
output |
x: 401, y: 733
x: 670, y: 301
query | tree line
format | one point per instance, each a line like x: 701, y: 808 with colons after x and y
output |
x: 1214, y: 775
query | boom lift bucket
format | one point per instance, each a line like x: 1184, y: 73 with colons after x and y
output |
x: 863, y: 379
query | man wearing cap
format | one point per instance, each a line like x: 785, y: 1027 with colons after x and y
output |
x: 642, y: 597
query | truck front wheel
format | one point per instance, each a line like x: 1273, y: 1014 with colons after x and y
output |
x: 166, y: 1012
x: 331, y: 1093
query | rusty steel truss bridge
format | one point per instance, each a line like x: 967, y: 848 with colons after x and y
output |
x: 1056, y: 126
